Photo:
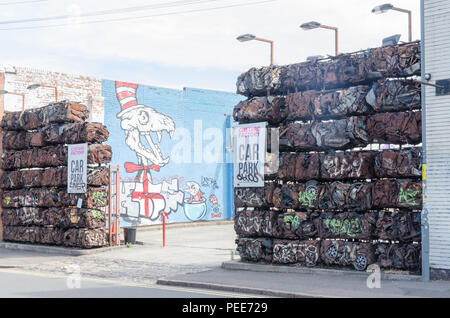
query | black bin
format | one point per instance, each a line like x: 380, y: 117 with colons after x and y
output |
x: 130, y: 235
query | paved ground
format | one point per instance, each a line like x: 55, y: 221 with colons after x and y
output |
x: 188, y: 250
x: 20, y: 284
x: 307, y: 284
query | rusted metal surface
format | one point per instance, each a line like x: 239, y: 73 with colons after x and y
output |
x: 339, y: 134
x: 343, y: 253
x: 57, y: 217
x: 297, y: 226
x: 405, y: 193
x: 399, y: 256
x: 347, y: 165
x: 403, y: 226
x: 50, y: 177
x: 343, y: 71
x: 395, y: 128
x: 306, y: 253
x: 258, y: 109
x: 95, y: 197
x: 61, y: 112
x: 394, y: 95
x: 298, y: 166
x: 85, y: 238
x: 53, y: 156
x: 76, y: 133
x: 255, y: 223
x: 348, y: 225
x: 255, y: 249
x: 399, y: 164
x: 254, y: 197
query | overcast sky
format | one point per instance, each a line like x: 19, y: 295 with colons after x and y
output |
x: 193, y: 49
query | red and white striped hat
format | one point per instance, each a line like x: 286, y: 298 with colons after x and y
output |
x: 126, y: 94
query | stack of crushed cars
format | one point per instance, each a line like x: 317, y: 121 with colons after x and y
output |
x: 36, y: 207
x: 348, y: 190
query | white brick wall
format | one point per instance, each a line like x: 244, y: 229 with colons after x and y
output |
x: 86, y: 90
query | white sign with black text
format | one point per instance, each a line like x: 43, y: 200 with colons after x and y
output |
x: 249, y: 155
x: 77, y: 168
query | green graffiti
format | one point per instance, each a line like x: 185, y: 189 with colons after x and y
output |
x: 307, y: 198
x: 409, y: 196
x: 7, y: 200
x: 97, y: 214
x: 294, y: 221
x: 350, y: 228
x: 99, y: 197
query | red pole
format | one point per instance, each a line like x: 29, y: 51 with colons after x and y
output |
x: 164, y: 215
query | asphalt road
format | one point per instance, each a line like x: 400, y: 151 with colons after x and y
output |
x: 19, y: 284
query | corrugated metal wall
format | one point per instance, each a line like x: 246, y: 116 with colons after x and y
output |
x: 437, y: 62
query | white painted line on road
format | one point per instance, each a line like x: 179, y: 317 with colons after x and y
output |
x: 131, y: 284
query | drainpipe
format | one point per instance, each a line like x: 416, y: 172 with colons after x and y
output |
x: 425, y: 225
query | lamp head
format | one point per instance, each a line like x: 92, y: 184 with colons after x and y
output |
x: 245, y: 37
x: 3, y: 92
x: 382, y: 8
x: 33, y: 86
x: 310, y: 25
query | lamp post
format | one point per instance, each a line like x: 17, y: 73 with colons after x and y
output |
x: 34, y: 86
x: 4, y: 92
x: 315, y: 25
x: 251, y: 37
x: 387, y: 7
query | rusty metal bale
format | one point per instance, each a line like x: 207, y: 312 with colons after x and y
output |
x: 95, y: 197
x: 343, y: 71
x: 53, y: 156
x: 394, y: 95
x: 402, y: 193
x: 50, y: 177
x: 347, y: 225
x: 339, y: 134
x: 395, y: 128
x: 254, y: 223
x: 297, y: 225
x: 347, y: 165
x: 60, y: 112
x: 306, y: 253
x: 399, y: 163
x: 403, y: 226
x: 75, y: 133
x: 399, y: 256
x: 255, y: 249
x: 85, y: 238
x: 254, y: 197
x: 21, y: 234
x: 298, y: 166
x: 259, y: 109
x: 51, y: 235
x: 357, y: 254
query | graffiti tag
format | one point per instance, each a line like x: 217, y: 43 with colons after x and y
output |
x: 409, y: 196
x: 307, y: 198
x: 294, y: 221
x: 99, y: 198
x: 348, y: 227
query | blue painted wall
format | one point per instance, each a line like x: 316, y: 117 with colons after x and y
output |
x: 187, y: 191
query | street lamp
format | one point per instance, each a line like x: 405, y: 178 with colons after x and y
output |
x: 315, y: 25
x: 34, y: 86
x: 4, y: 92
x: 251, y: 37
x: 387, y: 7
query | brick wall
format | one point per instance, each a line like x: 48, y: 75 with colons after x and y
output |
x: 84, y: 89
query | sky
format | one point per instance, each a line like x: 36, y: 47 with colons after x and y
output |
x: 157, y: 45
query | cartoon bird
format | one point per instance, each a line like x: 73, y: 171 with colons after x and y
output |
x: 140, y: 121
x: 193, y: 188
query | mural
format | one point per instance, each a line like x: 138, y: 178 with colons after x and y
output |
x: 150, y: 123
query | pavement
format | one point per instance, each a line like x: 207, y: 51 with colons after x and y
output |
x: 202, y: 257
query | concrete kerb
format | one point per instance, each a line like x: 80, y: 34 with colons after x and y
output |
x: 236, y: 289
x: 237, y: 265
x: 56, y: 249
